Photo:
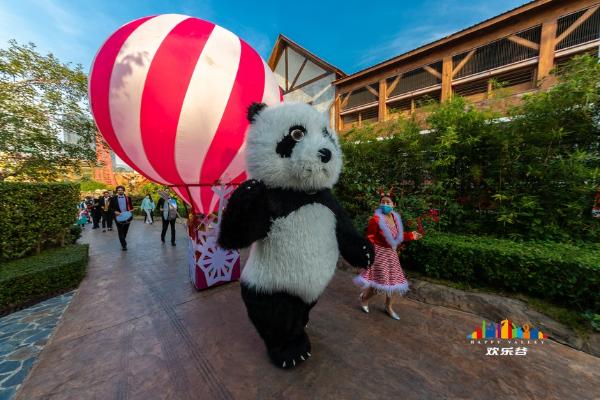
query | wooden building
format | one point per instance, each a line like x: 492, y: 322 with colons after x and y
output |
x: 303, y: 76
x: 517, y: 49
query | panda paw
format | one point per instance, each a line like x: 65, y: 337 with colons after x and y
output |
x: 291, y: 355
x: 364, y: 255
x: 251, y: 184
x: 247, y: 196
x: 292, y: 362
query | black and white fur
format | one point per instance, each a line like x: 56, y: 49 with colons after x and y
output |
x: 295, y: 226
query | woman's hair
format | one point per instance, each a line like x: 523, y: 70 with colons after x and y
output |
x: 388, y: 196
x: 383, y: 194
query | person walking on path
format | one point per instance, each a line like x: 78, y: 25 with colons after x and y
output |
x: 107, y: 216
x: 386, y: 232
x: 89, y: 205
x: 168, y: 211
x: 82, y: 217
x: 96, y: 213
x: 120, y: 206
x: 148, y: 207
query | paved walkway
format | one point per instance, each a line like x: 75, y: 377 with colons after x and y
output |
x: 137, y: 330
x: 23, y: 335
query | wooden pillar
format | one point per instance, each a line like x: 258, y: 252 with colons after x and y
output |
x: 382, y: 112
x: 337, y: 118
x: 446, y: 78
x: 413, y: 106
x: 286, y: 69
x: 546, y: 56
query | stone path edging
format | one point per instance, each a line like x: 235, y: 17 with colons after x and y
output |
x: 23, y: 335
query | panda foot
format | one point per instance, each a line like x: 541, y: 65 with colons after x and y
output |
x: 289, y: 364
x: 291, y: 356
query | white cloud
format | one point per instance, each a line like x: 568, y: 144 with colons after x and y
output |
x: 62, y: 19
x: 73, y: 33
x: 444, y: 18
x: 402, y: 42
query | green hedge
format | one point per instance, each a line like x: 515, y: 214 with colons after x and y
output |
x: 562, y: 273
x: 34, y: 216
x: 43, y: 275
x: 533, y: 176
x: 91, y: 185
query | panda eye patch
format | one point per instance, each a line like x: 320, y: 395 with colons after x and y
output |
x: 285, y: 147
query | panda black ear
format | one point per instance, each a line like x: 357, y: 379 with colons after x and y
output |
x: 254, y: 110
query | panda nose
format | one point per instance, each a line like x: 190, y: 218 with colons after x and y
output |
x: 325, y: 155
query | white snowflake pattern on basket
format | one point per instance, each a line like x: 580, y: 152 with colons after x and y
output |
x: 216, y: 264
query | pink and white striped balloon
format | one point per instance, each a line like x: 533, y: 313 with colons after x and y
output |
x: 169, y: 94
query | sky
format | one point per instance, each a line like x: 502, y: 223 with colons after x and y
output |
x: 351, y: 35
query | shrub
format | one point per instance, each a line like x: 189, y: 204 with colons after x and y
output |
x: 562, y: 273
x: 532, y: 176
x: 34, y: 216
x: 40, y: 276
x: 74, y: 234
x: 90, y: 185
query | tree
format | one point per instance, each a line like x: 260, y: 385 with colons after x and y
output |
x: 42, y: 102
x: 531, y: 176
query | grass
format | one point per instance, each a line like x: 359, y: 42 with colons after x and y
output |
x: 32, y: 279
x: 575, y: 320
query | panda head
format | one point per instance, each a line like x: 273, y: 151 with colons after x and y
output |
x: 289, y: 146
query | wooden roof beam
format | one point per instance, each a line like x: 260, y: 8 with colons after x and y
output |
x: 524, y: 42
x: 313, y: 80
x: 370, y: 89
x: 391, y: 88
x: 586, y: 15
x: 276, y: 53
x: 463, y: 62
x: 432, y: 71
x: 298, y: 74
x: 345, y: 100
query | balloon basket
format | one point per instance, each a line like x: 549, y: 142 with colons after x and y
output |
x: 210, y: 265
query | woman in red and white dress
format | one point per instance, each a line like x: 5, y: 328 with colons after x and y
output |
x: 386, y: 232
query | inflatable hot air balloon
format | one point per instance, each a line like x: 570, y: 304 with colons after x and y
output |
x: 169, y: 94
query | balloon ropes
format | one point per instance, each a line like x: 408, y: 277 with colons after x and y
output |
x: 169, y: 94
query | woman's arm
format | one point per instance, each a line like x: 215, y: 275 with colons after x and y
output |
x: 414, y: 235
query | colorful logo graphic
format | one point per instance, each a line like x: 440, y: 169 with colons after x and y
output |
x: 506, y: 329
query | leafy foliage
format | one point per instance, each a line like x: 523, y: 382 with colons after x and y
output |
x: 532, y: 175
x: 89, y: 185
x: 563, y: 273
x: 34, y: 216
x: 42, y: 101
x: 41, y: 276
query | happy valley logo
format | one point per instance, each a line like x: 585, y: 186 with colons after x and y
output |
x: 506, y: 333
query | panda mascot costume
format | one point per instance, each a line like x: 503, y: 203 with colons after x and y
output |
x: 296, y: 228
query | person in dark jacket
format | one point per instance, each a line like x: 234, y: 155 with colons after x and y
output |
x: 121, y: 204
x: 96, y: 213
x: 107, y: 217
